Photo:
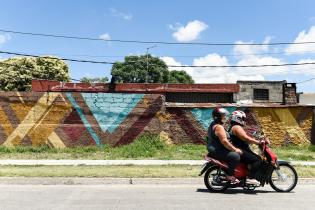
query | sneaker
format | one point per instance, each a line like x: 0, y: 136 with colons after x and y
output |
x: 252, y: 182
x: 232, y: 179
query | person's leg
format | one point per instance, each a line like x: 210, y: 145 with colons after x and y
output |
x: 251, y: 158
x: 231, y: 158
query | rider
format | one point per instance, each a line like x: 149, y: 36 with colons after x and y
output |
x: 219, y: 146
x: 240, y: 139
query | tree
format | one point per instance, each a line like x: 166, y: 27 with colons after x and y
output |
x: 17, y: 73
x: 141, y: 69
x: 94, y: 79
x: 180, y: 77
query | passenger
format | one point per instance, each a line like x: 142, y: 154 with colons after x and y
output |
x: 240, y: 139
x: 219, y: 146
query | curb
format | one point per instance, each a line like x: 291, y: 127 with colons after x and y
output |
x: 113, y: 181
x: 117, y: 162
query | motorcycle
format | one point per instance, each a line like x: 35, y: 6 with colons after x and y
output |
x: 280, y: 174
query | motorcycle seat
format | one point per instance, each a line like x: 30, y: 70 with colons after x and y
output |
x: 215, y: 161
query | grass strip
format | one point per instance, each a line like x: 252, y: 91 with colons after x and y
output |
x: 144, y: 147
x: 169, y: 171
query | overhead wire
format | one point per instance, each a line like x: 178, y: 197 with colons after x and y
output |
x: 181, y: 66
x: 153, y: 42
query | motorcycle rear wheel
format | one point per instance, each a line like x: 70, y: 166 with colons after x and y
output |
x: 283, y: 179
x: 213, y: 181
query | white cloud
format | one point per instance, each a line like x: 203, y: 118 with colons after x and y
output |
x: 4, y: 38
x: 122, y: 15
x: 251, y: 49
x: 211, y: 75
x: 105, y: 36
x: 257, y: 60
x: 190, y: 32
x: 172, y: 62
x: 250, y: 57
x: 302, y: 37
x: 304, y: 69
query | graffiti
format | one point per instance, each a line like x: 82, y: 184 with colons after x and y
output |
x: 81, y: 119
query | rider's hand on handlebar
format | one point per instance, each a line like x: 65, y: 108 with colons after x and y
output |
x: 265, y: 142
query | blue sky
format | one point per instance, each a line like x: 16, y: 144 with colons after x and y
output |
x: 222, y: 21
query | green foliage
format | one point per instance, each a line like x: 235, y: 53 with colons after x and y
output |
x: 17, y: 73
x: 147, y: 69
x: 145, y: 146
x: 180, y: 77
x: 94, y: 79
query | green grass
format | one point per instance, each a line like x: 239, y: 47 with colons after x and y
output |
x: 168, y: 171
x: 145, y: 147
x: 303, y: 153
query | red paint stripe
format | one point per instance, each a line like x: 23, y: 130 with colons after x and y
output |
x: 141, y: 123
x: 183, y: 121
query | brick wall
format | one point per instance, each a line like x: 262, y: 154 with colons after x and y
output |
x: 79, y: 119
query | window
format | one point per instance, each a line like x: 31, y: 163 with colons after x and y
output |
x: 199, y: 97
x: 261, y: 94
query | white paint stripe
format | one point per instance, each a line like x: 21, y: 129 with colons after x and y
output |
x: 119, y: 162
x: 20, y: 97
x: 30, y: 120
x: 56, y: 141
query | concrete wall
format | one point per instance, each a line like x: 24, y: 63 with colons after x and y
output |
x: 246, y: 93
x: 307, y: 99
x: 79, y: 119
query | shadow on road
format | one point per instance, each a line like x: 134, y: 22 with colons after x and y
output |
x: 238, y: 191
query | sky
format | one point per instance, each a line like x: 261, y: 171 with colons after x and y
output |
x: 180, y: 21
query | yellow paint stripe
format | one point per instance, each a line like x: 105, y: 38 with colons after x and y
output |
x: 34, y: 115
x: 48, y: 123
x: 54, y: 139
x: 292, y: 127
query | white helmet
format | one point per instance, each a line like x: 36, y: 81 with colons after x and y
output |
x: 238, y: 117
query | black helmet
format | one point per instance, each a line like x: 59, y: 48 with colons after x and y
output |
x: 218, y: 112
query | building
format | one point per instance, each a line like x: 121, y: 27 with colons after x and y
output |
x: 266, y: 92
x: 174, y: 93
x: 243, y: 92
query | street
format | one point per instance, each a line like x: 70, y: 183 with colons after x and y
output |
x: 150, y: 196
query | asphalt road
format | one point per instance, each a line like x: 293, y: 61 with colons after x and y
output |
x: 147, y: 196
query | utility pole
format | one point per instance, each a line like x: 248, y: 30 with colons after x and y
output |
x: 146, y: 78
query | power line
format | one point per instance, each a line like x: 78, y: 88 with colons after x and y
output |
x: 183, y: 56
x: 305, y: 81
x: 64, y: 59
x: 154, y: 42
x: 77, y: 80
x: 180, y: 66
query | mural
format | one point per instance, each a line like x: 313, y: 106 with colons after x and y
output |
x: 282, y: 125
x: 80, y: 119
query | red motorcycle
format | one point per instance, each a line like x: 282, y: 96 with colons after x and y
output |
x: 281, y: 176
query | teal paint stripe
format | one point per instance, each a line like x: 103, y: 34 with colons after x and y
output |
x: 134, y: 100
x: 204, y: 115
x: 83, y: 118
x: 111, y: 109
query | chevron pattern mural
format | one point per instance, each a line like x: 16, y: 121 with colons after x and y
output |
x: 81, y: 119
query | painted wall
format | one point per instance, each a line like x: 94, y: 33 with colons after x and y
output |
x: 79, y: 119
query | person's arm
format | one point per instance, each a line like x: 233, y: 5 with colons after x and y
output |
x: 240, y: 133
x: 221, y: 134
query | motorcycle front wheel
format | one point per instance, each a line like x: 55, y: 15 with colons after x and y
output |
x: 283, y: 179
